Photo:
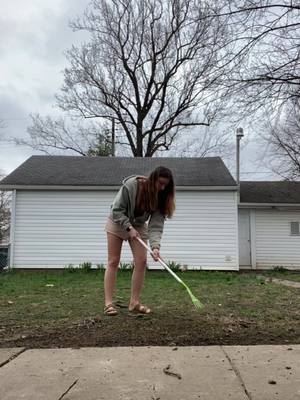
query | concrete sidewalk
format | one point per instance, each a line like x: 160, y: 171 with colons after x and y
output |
x: 152, y: 373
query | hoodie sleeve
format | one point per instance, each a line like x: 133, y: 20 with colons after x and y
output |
x: 120, y: 207
x: 155, y: 229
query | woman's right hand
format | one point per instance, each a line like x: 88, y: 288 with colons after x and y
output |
x: 133, y: 233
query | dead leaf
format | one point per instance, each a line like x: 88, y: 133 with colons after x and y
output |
x: 168, y: 372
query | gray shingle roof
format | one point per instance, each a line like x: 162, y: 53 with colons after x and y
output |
x: 270, y: 192
x: 110, y: 171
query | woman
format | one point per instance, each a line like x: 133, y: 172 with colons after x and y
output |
x: 140, y: 199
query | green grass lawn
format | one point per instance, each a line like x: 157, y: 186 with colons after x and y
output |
x: 282, y: 274
x: 236, y: 305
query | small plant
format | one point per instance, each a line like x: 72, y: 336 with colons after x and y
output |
x: 126, y: 266
x: 280, y: 269
x: 10, y: 270
x: 174, y: 266
x: 100, y: 266
x: 86, y: 266
x: 70, y: 268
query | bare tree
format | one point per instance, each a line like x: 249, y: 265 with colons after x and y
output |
x: 58, y: 135
x: 212, y: 141
x: 154, y: 66
x: 267, y: 38
x: 5, y: 198
x: 283, y: 139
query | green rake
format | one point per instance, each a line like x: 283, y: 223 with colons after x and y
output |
x: 195, y: 301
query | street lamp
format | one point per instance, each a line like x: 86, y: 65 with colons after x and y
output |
x: 239, y: 136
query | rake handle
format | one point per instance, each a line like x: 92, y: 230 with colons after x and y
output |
x: 196, y: 302
x: 161, y: 261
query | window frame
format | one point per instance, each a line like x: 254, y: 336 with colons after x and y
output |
x: 291, y: 228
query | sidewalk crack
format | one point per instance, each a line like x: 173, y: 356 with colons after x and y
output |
x: 66, y: 392
x: 237, y: 373
x: 12, y: 357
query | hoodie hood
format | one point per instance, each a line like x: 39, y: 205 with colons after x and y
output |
x: 132, y: 178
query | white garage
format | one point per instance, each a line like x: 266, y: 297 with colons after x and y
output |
x: 61, y: 203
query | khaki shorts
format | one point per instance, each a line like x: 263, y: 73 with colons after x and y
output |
x: 115, y: 229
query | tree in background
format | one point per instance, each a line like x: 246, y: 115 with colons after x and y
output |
x: 284, y: 142
x: 264, y: 85
x: 267, y: 39
x: 5, y: 199
x: 154, y: 67
x: 58, y: 135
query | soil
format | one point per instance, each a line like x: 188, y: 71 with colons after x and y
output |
x: 154, y: 330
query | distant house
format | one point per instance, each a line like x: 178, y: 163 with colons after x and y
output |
x: 4, y: 217
x: 4, y: 228
x: 269, y: 219
x: 61, y: 203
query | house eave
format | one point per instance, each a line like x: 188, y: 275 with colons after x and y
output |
x: 269, y: 205
x: 108, y: 187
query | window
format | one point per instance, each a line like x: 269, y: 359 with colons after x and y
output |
x: 295, y: 228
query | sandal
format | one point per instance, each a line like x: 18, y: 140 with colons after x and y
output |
x: 140, y: 309
x: 110, y: 310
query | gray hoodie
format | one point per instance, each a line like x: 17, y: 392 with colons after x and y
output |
x: 122, y: 212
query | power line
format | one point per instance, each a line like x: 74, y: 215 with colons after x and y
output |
x: 259, y: 172
x: 13, y: 119
x: 24, y: 118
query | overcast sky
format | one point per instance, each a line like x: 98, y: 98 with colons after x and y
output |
x: 34, y: 35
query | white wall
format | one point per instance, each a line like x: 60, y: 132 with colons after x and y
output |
x: 203, y: 232
x: 56, y: 228
x: 275, y: 246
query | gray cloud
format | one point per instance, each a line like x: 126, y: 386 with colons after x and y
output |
x: 34, y: 36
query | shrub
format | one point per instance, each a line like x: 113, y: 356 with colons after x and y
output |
x: 70, y: 268
x: 174, y: 266
x: 126, y: 266
x: 280, y: 269
x: 86, y: 266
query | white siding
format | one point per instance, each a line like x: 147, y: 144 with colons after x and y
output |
x: 57, y: 228
x: 275, y: 246
x: 203, y: 232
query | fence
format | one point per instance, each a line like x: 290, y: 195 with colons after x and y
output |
x: 3, y: 256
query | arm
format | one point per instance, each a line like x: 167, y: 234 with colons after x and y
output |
x: 119, y: 209
x: 155, y: 229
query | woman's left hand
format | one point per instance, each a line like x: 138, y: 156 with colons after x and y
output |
x: 155, y: 254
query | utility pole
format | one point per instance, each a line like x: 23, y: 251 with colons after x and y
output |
x: 113, y: 137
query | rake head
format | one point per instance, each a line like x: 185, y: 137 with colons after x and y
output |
x: 197, y: 303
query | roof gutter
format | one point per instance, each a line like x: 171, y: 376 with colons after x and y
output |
x: 108, y: 187
x: 269, y: 205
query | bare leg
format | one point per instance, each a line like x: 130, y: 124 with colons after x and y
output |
x: 114, y: 244
x: 138, y: 275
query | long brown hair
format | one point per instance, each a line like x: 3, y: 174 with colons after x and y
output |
x: 150, y: 199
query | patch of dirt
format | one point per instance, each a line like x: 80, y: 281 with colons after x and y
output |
x: 154, y: 329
